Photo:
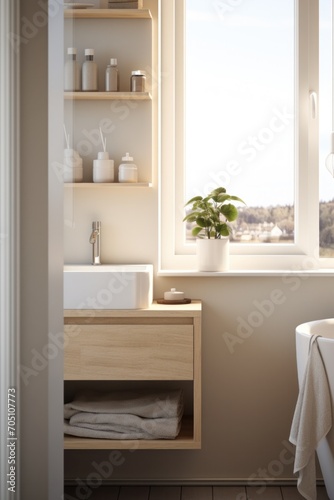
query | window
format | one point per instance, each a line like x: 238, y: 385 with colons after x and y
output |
x: 326, y: 125
x: 239, y: 108
x: 243, y: 133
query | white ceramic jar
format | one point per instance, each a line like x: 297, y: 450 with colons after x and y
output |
x: 103, y: 168
x: 174, y: 294
x: 127, y: 171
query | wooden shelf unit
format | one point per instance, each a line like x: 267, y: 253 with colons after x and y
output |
x: 107, y: 14
x: 183, y: 441
x: 107, y: 96
x: 91, y: 185
x: 161, y: 343
x: 95, y: 24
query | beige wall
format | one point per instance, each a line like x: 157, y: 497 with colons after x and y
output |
x: 248, y: 395
x: 249, y: 387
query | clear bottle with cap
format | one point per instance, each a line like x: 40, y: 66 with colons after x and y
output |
x: 72, y: 73
x: 89, y: 72
x: 127, y: 171
x: 112, y: 76
x: 138, y: 81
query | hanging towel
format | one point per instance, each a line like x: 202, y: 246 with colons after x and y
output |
x: 148, y: 404
x: 312, y: 420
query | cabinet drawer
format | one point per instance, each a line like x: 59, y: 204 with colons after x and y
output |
x: 129, y: 352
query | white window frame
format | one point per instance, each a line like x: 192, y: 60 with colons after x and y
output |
x: 178, y: 256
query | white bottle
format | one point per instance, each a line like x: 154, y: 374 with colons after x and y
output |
x: 112, y: 77
x: 72, y: 72
x: 103, y: 168
x: 73, y: 171
x: 127, y: 171
x: 89, y: 72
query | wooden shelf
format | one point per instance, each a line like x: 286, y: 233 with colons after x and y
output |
x: 158, y: 311
x: 143, y: 327
x: 184, y: 440
x: 91, y: 185
x: 107, y: 14
x: 108, y: 96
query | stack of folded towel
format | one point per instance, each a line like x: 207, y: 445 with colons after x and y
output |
x: 125, y: 415
x: 125, y: 4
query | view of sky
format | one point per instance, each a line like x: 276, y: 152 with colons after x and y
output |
x: 240, y: 98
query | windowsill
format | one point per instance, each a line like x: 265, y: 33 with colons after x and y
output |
x: 248, y: 273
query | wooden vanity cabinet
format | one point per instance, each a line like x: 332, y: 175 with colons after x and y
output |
x: 161, y: 343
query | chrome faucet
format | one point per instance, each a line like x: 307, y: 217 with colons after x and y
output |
x: 95, y: 240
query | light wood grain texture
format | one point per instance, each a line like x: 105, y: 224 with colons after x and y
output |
x: 183, y: 441
x: 127, y: 320
x: 104, y: 185
x: 130, y: 352
x: 158, y: 343
x: 197, y: 386
x: 192, y: 310
x: 108, y: 96
x: 107, y: 14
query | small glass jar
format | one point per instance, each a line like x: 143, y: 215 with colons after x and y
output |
x: 127, y: 171
x: 138, y: 81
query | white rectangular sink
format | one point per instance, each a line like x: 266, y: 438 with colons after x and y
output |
x: 127, y: 286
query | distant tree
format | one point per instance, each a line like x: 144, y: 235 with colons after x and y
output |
x: 327, y: 237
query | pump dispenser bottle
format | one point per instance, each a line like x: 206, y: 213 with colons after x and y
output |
x: 89, y: 72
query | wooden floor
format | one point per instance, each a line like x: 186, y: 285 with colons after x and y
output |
x: 189, y: 493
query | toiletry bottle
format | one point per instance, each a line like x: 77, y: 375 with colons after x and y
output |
x: 72, y: 72
x: 127, y: 171
x: 103, y: 168
x: 73, y: 171
x: 89, y: 72
x: 138, y: 81
x: 112, y: 76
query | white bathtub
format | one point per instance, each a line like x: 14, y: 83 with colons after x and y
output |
x: 325, y: 328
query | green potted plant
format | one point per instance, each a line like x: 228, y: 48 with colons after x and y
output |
x: 211, y: 215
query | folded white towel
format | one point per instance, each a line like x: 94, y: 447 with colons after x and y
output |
x: 125, y: 415
x: 122, y: 426
x: 98, y: 434
x: 162, y: 404
x: 312, y: 420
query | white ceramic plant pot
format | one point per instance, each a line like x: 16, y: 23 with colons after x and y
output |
x: 213, y: 254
